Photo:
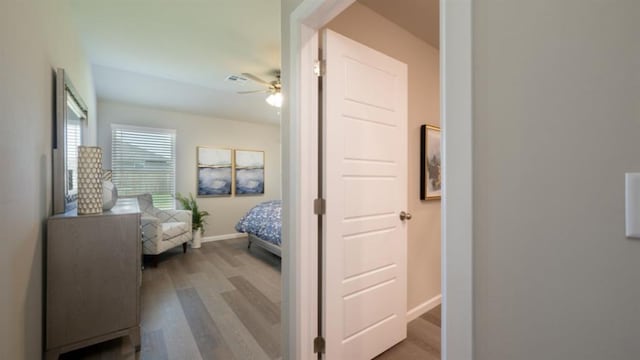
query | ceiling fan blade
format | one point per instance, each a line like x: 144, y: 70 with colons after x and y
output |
x: 253, y: 92
x: 256, y: 79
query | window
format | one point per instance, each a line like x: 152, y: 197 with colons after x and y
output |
x: 143, y: 160
x: 73, y: 134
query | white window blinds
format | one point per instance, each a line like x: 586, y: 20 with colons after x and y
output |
x: 143, y: 160
x: 73, y: 132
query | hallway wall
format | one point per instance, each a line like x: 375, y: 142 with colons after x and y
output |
x: 556, y: 125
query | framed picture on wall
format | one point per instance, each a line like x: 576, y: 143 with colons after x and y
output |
x: 249, y: 172
x: 430, y: 163
x: 215, y: 171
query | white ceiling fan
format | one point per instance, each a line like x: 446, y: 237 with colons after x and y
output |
x: 273, y: 88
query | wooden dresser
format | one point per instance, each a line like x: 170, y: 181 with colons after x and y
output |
x: 93, y: 278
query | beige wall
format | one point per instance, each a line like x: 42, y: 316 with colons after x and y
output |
x: 557, y: 120
x: 364, y: 25
x: 35, y: 38
x: 196, y: 130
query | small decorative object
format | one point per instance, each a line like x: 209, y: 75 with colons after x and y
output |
x: 249, y: 167
x: 109, y: 195
x: 89, y: 180
x: 214, y: 172
x: 430, y: 163
x: 197, y: 218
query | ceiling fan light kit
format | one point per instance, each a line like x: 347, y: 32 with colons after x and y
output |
x: 275, y: 99
x: 273, y: 88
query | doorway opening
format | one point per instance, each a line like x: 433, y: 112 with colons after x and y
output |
x: 454, y: 89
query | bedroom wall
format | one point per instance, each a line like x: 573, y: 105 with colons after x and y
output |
x: 196, y: 130
x: 36, y: 36
x: 364, y: 25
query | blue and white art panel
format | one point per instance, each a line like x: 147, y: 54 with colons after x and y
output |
x: 214, y: 172
x: 249, y: 172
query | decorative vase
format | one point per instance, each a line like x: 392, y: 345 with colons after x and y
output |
x: 89, y: 180
x: 197, y: 239
x: 109, y: 195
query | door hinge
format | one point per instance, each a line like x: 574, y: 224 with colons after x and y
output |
x: 318, y: 345
x: 319, y: 206
x: 319, y: 68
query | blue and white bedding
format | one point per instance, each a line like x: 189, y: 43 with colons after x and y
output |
x: 264, y: 221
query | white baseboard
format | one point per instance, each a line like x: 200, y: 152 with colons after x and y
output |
x: 223, y: 237
x: 423, y: 308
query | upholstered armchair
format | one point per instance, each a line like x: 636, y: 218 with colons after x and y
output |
x: 163, y: 229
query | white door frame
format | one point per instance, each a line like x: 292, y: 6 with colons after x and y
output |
x: 300, y: 224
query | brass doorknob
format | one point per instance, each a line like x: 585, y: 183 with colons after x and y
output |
x: 405, y: 216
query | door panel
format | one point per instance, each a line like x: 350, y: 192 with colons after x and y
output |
x: 359, y: 201
x: 362, y: 251
x: 365, y: 186
x: 372, y: 141
x: 368, y: 306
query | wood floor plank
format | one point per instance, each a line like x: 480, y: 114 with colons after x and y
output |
x: 153, y: 346
x: 244, y: 345
x: 254, y: 321
x: 271, y: 270
x: 264, y: 278
x: 434, y: 316
x: 265, y: 256
x: 235, y: 246
x: 227, y: 256
x: 205, y: 332
x: 267, y: 308
x: 177, y: 274
x: 188, y: 262
x: 161, y: 309
x: 406, y: 350
x: 222, y: 265
x: 216, y: 280
x: 425, y: 335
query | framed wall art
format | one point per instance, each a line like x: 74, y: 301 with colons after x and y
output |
x: 430, y: 163
x: 215, y: 171
x: 249, y: 172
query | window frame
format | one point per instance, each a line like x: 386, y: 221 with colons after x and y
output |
x: 146, y: 130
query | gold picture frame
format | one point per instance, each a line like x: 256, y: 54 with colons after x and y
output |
x: 430, y: 163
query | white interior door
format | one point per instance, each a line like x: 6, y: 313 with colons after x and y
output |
x: 365, y: 187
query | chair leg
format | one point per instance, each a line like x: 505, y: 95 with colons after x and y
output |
x: 184, y: 248
x: 154, y: 261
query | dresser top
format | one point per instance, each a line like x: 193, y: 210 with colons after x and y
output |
x: 123, y: 206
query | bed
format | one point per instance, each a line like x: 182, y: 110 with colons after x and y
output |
x: 263, y: 224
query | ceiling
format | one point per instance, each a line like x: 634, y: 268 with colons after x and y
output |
x: 419, y: 17
x: 176, y: 54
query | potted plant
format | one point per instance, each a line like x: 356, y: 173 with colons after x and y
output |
x: 197, y: 217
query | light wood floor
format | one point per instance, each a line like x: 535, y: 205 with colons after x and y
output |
x: 222, y: 301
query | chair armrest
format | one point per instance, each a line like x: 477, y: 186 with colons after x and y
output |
x: 175, y: 216
x: 151, y: 228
